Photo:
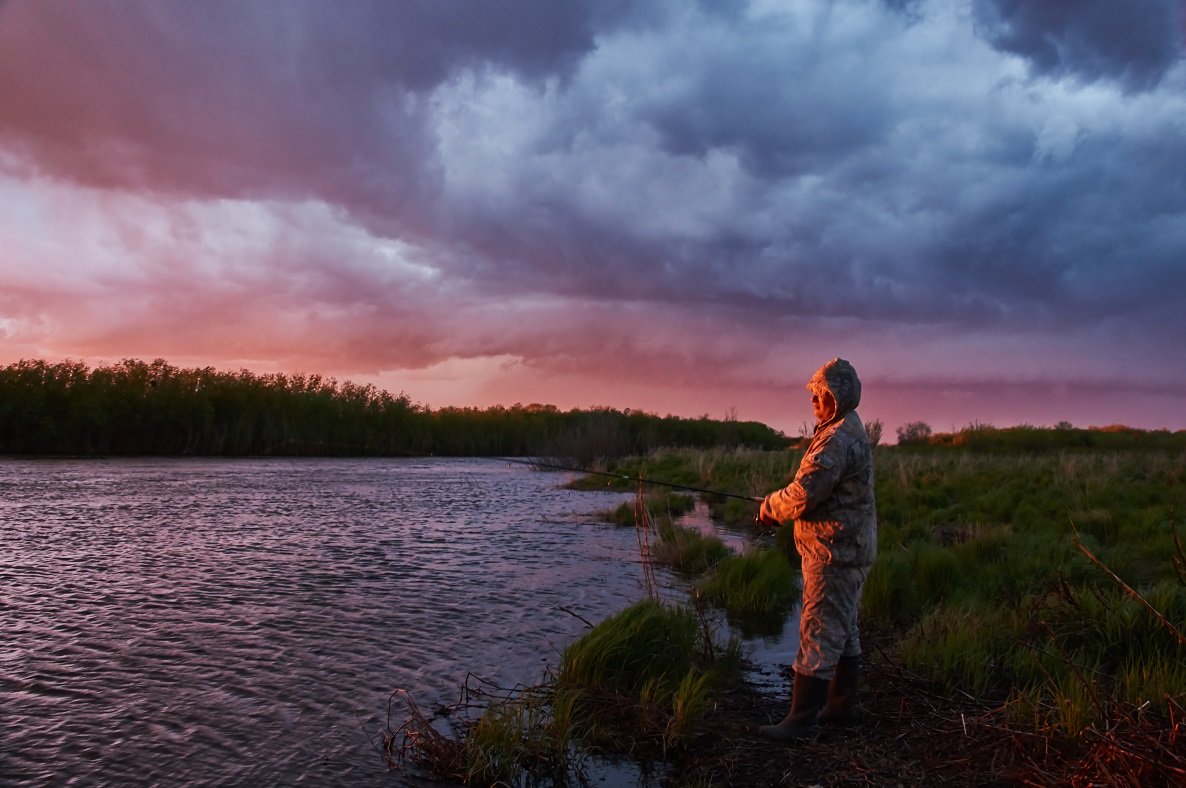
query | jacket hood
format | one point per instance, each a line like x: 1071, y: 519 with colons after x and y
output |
x: 840, y: 379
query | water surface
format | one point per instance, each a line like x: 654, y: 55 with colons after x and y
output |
x: 211, y: 621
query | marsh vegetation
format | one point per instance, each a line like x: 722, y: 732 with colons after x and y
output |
x: 1037, y: 573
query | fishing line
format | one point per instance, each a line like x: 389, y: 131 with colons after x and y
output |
x: 628, y: 478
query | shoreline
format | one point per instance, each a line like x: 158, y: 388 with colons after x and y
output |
x: 912, y: 735
x: 915, y: 735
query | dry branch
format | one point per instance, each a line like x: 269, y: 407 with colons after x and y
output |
x: 1177, y: 633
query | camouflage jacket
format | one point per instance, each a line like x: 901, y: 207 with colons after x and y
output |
x: 831, y: 499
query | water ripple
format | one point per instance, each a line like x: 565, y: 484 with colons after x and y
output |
x: 229, y: 622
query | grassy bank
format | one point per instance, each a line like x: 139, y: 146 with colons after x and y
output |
x: 634, y: 686
x: 986, y: 567
x: 1049, y: 586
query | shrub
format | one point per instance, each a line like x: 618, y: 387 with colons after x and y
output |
x: 874, y: 429
x: 916, y: 432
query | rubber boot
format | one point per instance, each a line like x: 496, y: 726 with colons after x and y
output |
x: 841, y: 709
x: 808, y: 696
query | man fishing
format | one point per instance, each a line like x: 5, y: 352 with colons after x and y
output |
x: 831, y: 502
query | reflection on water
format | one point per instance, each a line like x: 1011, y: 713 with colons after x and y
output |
x: 245, y: 621
x: 219, y: 621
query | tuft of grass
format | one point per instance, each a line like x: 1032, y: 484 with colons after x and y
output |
x: 512, y: 739
x: 639, y: 682
x: 762, y: 583
x: 688, y: 550
x: 958, y: 648
x: 1152, y: 682
x: 663, y: 506
x: 689, y: 702
x: 646, y: 670
x: 645, y: 644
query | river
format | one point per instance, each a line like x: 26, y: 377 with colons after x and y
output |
x: 232, y: 622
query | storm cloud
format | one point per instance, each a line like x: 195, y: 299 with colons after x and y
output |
x: 1134, y: 43
x: 661, y: 205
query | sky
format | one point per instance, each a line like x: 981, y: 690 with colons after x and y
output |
x: 679, y: 207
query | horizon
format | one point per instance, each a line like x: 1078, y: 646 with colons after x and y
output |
x: 801, y: 431
x: 665, y: 207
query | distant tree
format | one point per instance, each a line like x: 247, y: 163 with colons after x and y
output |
x: 913, y: 433
x: 1064, y: 425
x: 873, y: 429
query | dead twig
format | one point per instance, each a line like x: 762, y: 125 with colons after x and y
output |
x: 1177, y: 633
x: 416, y: 740
x: 586, y: 621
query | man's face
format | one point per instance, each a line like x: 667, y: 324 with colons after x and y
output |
x: 824, y: 405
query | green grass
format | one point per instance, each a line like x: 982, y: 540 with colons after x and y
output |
x: 646, y: 671
x: 645, y: 644
x: 636, y: 685
x: 516, y: 738
x: 687, y: 550
x: 745, y: 472
x: 751, y: 586
x: 662, y: 505
x: 978, y: 569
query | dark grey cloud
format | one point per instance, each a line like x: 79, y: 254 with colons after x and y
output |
x: 1078, y: 242
x: 1134, y: 42
x: 421, y: 43
x: 297, y: 100
x: 783, y: 110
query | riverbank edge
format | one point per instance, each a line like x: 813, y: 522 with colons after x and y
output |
x: 912, y: 735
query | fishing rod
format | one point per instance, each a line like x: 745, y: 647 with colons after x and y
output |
x: 628, y: 478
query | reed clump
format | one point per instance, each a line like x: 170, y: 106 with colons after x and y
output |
x: 663, y: 506
x: 648, y: 671
x: 524, y: 736
x: 758, y: 584
x: 687, y: 550
x: 519, y: 736
x: 636, y: 684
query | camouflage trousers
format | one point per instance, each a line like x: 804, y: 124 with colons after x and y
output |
x: 828, y: 627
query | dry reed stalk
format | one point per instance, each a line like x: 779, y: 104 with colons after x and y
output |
x: 1177, y: 633
x: 643, y: 526
x: 417, y: 741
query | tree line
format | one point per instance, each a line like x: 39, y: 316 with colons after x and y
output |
x: 1029, y: 438
x: 139, y: 408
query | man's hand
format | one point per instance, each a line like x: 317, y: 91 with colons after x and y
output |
x: 766, y: 514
